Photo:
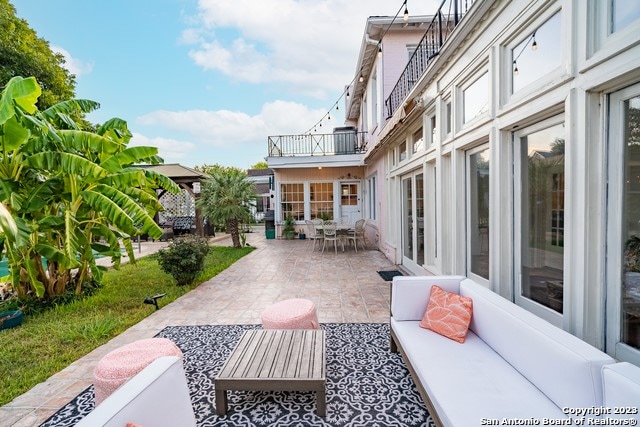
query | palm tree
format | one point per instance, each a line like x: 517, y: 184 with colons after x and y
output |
x: 71, y: 194
x: 226, y: 198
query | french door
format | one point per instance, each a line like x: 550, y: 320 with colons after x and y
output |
x: 413, y: 221
x: 623, y: 226
x: 539, y: 202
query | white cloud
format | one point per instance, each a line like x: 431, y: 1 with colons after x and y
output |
x: 171, y: 150
x: 310, y: 44
x: 234, y: 129
x: 74, y: 65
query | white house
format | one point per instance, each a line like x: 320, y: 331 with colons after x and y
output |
x: 508, y: 151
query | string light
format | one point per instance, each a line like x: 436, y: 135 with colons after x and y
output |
x: 361, y: 76
x: 534, y: 46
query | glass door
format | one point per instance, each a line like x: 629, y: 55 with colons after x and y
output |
x: 413, y: 221
x: 539, y: 219
x: 350, y: 203
x: 623, y: 226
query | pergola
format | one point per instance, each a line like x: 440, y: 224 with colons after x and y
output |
x: 180, y: 207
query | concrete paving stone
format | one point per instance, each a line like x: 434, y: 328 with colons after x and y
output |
x: 344, y: 286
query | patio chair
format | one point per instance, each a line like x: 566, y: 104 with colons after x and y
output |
x: 357, y: 234
x: 315, y: 234
x: 330, y: 235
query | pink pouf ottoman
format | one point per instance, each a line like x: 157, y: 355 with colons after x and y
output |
x: 117, y: 366
x: 294, y: 313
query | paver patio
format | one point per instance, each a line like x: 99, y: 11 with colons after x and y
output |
x: 345, y: 288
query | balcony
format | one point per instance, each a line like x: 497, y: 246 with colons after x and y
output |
x: 341, y: 142
x: 446, y: 19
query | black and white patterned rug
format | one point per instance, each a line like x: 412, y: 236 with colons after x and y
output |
x: 366, y: 384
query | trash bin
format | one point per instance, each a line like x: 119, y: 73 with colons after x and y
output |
x: 269, y: 225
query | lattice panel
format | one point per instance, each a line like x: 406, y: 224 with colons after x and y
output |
x: 177, y: 205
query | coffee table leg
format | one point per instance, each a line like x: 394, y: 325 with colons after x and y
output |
x: 321, y: 403
x: 221, y: 402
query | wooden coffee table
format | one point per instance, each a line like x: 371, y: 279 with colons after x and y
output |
x: 275, y: 360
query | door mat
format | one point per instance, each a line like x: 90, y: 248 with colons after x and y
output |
x: 389, y: 275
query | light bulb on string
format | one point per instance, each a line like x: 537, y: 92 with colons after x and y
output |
x: 361, y: 78
x: 515, y: 68
x: 379, y: 50
x: 534, y: 45
x: 405, y: 17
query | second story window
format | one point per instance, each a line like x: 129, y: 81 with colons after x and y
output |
x: 374, y: 101
x: 623, y: 13
x: 475, y: 98
x: 538, y: 54
x: 402, y: 151
x: 418, y: 140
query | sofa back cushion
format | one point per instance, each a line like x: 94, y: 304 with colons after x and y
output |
x: 410, y: 294
x: 565, y: 368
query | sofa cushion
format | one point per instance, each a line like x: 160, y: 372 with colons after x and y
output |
x: 470, y: 382
x: 448, y: 314
x: 410, y: 295
x: 622, y: 390
x: 561, y: 365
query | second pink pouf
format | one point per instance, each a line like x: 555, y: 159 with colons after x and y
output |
x: 117, y: 366
x: 296, y: 313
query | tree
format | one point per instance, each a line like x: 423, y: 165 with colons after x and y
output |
x: 68, y: 194
x: 23, y: 53
x: 260, y: 165
x: 226, y: 197
x: 217, y: 168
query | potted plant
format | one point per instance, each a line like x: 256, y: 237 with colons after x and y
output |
x: 289, y: 230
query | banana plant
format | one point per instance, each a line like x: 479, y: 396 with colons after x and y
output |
x: 69, y: 194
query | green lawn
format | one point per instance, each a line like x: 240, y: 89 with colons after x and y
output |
x: 48, y: 342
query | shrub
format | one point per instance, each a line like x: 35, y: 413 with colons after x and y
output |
x: 184, y: 258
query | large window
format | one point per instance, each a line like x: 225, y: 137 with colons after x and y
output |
x: 292, y: 201
x: 321, y: 200
x: 623, y: 226
x: 478, y: 212
x: 476, y: 98
x: 540, y: 168
x: 538, y: 54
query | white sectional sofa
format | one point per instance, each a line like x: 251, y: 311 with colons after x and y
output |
x: 157, y: 396
x: 513, y: 366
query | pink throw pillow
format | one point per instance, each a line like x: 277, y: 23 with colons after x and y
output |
x: 448, y: 314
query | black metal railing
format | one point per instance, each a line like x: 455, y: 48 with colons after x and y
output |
x: 448, y: 16
x: 318, y: 144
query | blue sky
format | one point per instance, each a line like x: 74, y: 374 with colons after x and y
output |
x: 207, y: 81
